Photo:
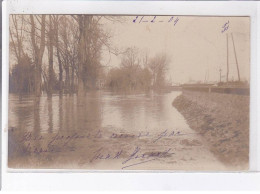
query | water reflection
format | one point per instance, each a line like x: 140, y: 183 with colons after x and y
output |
x: 99, y: 110
x: 41, y: 130
x: 50, y: 114
x: 60, y: 107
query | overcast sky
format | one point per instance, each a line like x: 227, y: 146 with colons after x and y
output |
x: 196, y: 45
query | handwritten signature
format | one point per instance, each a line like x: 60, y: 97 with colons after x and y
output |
x: 135, y: 156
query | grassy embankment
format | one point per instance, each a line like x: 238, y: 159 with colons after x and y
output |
x: 222, y: 119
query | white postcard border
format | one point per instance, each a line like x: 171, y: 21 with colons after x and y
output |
x: 28, y: 179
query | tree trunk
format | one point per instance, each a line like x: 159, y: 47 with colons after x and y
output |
x: 60, y: 72
x: 38, y: 53
x: 56, y: 26
x: 67, y: 79
x: 72, y: 80
x: 51, y: 72
x: 82, y: 54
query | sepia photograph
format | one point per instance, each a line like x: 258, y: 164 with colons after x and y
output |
x: 129, y: 92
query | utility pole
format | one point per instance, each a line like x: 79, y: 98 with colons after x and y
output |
x: 227, y: 59
x: 235, y: 57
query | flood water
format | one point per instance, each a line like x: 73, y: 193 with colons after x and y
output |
x: 66, y: 134
x: 137, y: 112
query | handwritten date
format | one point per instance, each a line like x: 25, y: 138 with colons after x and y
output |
x: 154, y: 19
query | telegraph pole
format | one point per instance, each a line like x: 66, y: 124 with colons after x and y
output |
x: 220, y: 74
x: 235, y: 57
x: 227, y: 59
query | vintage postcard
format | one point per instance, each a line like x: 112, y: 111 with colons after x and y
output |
x: 129, y: 92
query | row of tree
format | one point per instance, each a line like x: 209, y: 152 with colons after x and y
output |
x: 62, y: 53
x: 69, y: 44
x: 138, y: 72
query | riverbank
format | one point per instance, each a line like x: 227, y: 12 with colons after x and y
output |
x: 223, y: 121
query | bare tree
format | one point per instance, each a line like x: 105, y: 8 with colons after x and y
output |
x: 20, y: 77
x: 130, y: 58
x: 74, y: 43
x: 17, y: 36
x: 38, y: 49
x: 50, y: 52
x: 68, y: 47
x: 56, y: 19
x: 158, y: 66
x: 91, y: 39
x: 133, y: 75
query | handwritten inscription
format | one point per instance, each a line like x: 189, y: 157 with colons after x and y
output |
x: 134, y: 157
x: 225, y: 27
x: 94, y: 144
x: 28, y: 136
x: 154, y: 19
x: 137, y: 154
x: 166, y: 134
x: 98, y: 155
